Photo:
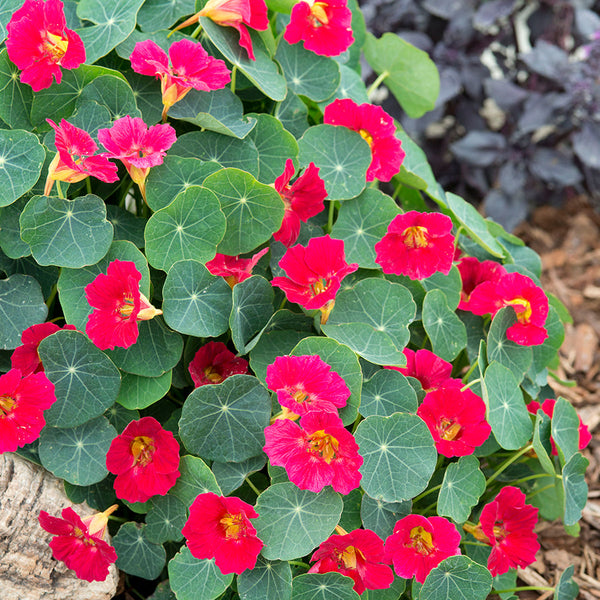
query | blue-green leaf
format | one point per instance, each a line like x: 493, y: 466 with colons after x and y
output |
x: 195, y: 478
x: 458, y: 578
x: 268, y: 580
x: 387, y: 392
x: 137, y: 555
x: 323, y: 586
x: 445, y: 330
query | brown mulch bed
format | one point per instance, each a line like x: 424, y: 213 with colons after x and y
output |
x: 568, y: 240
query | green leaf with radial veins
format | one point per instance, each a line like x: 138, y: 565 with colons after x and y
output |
x: 15, y: 97
x: 387, y: 392
x: 458, y: 578
x: 161, y: 14
x: 253, y: 210
x: 342, y: 156
x: 6, y: 12
x: 230, y: 476
x: 372, y: 319
x: 266, y: 581
x: 10, y: 232
x: 196, y: 302
x: 565, y: 430
x: 21, y: 305
x: 113, y: 93
x: 399, y: 456
x: 575, y: 486
x: 21, y: 161
x: 412, y: 76
x: 381, y: 516
x: 165, y: 519
x: 137, y: 555
x: 541, y: 441
x: 196, y: 478
x: 566, y: 589
x: 293, y: 114
x: 194, y: 579
x: 86, y: 382
x: 66, y: 233
x: 450, y: 284
x: 361, y: 223
x: 188, y: 228
x: 446, y: 331
x: 127, y: 227
x: 351, y: 86
x: 226, y: 421
x: 292, y: 522
x: 140, y: 392
x: 316, y: 77
x: 323, y: 586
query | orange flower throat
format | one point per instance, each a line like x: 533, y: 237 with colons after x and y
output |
x: 234, y: 525
x: 7, y: 403
x: 415, y: 237
x: 56, y: 46
x: 323, y: 445
x: 142, y: 449
x: 421, y: 541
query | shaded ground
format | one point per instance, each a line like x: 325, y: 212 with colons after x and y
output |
x: 568, y: 240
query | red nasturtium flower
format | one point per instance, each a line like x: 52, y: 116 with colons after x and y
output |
x: 219, y: 527
x: 233, y: 268
x: 305, y: 383
x: 39, y: 43
x: 214, y: 362
x: 79, y: 543
x: 314, y: 273
x: 548, y: 408
x: 431, y: 370
x: 417, y: 245
x: 74, y: 160
x: 237, y: 14
x: 456, y: 420
x: 323, y: 25
x: 26, y: 357
x: 507, y: 525
x: 145, y: 459
x: 191, y: 67
x: 315, y: 453
x: 303, y: 200
x: 359, y: 555
x: 23, y: 400
x: 420, y: 544
x: 377, y: 129
x: 138, y: 147
x: 474, y: 272
x: 118, y: 306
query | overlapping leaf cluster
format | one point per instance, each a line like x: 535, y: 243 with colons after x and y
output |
x: 213, y: 194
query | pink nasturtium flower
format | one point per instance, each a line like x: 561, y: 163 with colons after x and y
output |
x: 79, y: 543
x: 317, y: 452
x: 118, y: 306
x: 239, y: 14
x: 23, y: 400
x: 39, y: 43
x: 138, y: 147
x: 74, y: 160
x: 431, y: 370
x: 305, y: 383
x: 419, y: 544
x: 323, y: 25
x: 219, y: 527
x: 191, y: 67
x: 359, y: 555
x: 233, y: 268
x: 474, y: 272
x: 456, y: 420
x: 26, y: 357
x: 303, y: 200
x: 417, y: 245
x: 314, y: 273
x: 145, y: 459
x: 377, y: 129
x: 507, y: 525
x: 214, y: 363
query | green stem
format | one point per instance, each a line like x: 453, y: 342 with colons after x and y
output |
x: 470, y: 384
x: 469, y: 543
x: 88, y: 185
x: 536, y: 476
x: 427, y: 492
x: 299, y: 563
x: 117, y: 519
x: 377, y: 83
x: 469, y: 372
x: 197, y: 31
x: 59, y: 190
x: 523, y: 588
x: 51, y: 296
x: 356, y: 424
x: 330, y: 216
x: 509, y: 462
x: 233, y: 74
x: 546, y: 487
x: 252, y: 486
x: 283, y: 303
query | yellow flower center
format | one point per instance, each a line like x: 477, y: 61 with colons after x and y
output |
x: 415, y: 237
x: 421, y: 540
x: 319, y: 286
x: 299, y: 396
x: 366, y: 136
x: 211, y: 374
x: 126, y: 307
x: 7, y: 403
x: 233, y: 525
x: 324, y: 445
x: 57, y: 46
x: 448, y: 429
x: 142, y: 449
x: 524, y: 314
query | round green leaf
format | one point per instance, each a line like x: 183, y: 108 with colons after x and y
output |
x: 196, y: 302
x: 292, y: 522
x: 576, y: 489
x: 323, y: 586
x: 445, y: 330
x: 137, y: 555
x: 566, y: 589
x: 457, y: 577
x: 293, y: 114
x: 193, y: 579
x: 254, y: 211
x: 140, y: 392
x: 98, y: 496
x: 450, y: 285
x: 399, y: 456
x: 188, y: 228
x: 565, y: 429
x: 165, y: 519
x: 195, y: 478
x: 541, y: 441
x: 387, y: 392
x: 266, y: 581
x: 119, y: 417
x: 21, y: 305
x: 113, y: 93
x: 66, y: 233
x: 381, y: 516
x: 230, y: 475
x: 77, y: 455
x: 10, y: 231
x: 158, y: 14
x: 226, y: 421
x: 342, y: 156
x: 15, y: 97
x: 127, y: 227
x: 86, y: 382
x: 351, y: 86
x: 21, y: 161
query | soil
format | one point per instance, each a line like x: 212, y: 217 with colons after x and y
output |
x: 568, y: 240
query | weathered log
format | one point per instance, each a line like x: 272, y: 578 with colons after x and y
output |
x: 27, y: 569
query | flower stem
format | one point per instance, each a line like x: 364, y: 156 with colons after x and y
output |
x: 330, y: 216
x: 299, y: 563
x: 523, y: 588
x: 546, y: 487
x: 59, y: 190
x: 377, y: 83
x: 88, y: 185
x: 508, y: 462
x: 470, y: 384
x: 469, y: 372
x: 196, y: 31
x: 233, y: 74
x: 427, y: 492
x: 252, y: 486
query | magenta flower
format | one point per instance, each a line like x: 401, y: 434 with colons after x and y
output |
x: 431, y: 370
x: 214, y: 363
x: 118, y: 306
x: 316, y: 453
x: 474, y: 272
x: 359, y: 555
x: 233, y: 268
x: 420, y: 544
x: 377, y: 129
x: 305, y: 383
x: 74, y: 160
x: 191, y: 67
x: 303, y: 200
x: 323, y: 25
x: 417, y: 245
x: 456, y: 420
x: 138, y: 147
x: 39, y: 43
x: 314, y: 273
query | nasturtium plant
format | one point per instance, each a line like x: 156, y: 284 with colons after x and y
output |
x: 288, y: 380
